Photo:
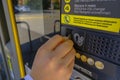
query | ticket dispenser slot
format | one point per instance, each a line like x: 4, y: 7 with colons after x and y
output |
x: 94, y: 27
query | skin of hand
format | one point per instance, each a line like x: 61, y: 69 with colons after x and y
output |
x: 54, y: 60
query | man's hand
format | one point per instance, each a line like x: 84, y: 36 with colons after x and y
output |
x: 54, y: 60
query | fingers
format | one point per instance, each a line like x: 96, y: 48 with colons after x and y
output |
x: 71, y: 64
x: 70, y: 67
x: 69, y: 57
x: 63, y: 49
x: 53, y: 42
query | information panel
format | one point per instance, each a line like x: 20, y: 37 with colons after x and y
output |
x: 94, y: 14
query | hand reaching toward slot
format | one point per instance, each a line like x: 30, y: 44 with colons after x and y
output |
x: 54, y: 60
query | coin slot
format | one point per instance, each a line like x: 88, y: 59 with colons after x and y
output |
x: 79, y: 40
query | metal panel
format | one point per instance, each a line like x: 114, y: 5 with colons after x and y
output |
x: 14, y: 44
x: 2, y: 53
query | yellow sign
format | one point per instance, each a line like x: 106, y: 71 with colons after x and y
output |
x: 67, y: 1
x: 67, y: 19
x: 67, y: 8
x: 99, y: 23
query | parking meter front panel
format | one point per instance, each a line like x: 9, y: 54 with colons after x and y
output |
x: 94, y: 27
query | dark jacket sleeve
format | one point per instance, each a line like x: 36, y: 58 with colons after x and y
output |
x: 22, y: 79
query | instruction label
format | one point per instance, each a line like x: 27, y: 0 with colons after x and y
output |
x: 94, y: 14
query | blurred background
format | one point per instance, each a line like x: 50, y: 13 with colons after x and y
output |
x: 37, y: 21
x: 39, y: 15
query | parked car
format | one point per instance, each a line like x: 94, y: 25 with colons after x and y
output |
x: 22, y: 9
x: 16, y: 9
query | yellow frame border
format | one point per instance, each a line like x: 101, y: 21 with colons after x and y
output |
x: 16, y: 38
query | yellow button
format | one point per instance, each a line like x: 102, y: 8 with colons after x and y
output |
x: 77, y: 55
x: 99, y: 65
x: 83, y: 58
x: 90, y: 61
x: 67, y: 1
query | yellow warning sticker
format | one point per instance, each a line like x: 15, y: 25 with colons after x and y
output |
x: 99, y: 23
x: 67, y: 1
x: 67, y: 8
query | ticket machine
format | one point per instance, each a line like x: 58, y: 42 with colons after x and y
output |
x: 94, y: 27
